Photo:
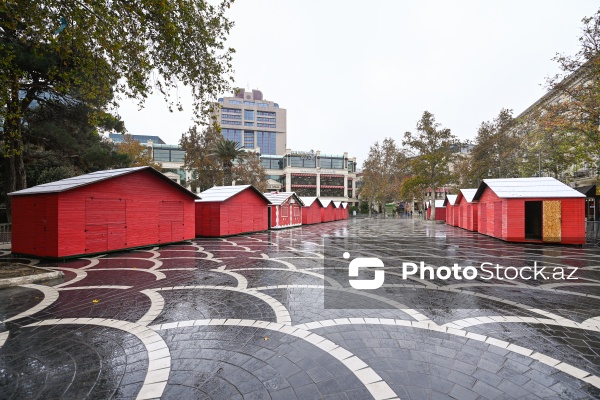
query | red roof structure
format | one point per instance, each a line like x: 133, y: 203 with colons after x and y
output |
x: 101, y: 212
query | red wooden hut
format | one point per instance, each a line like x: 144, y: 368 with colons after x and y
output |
x: 451, y: 210
x: 101, y: 212
x: 231, y: 210
x: 531, y: 210
x: 328, y: 211
x: 440, y: 210
x: 345, y: 210
x: 338, y: 211
x: 311, y: 212
x: 467, y: 209
x: 285, y: 210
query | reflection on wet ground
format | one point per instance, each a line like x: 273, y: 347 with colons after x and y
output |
x: 246, y: 317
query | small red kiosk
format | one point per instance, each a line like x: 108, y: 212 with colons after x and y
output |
x: 231, y: 210
x: 467, y: 209
x: 451, y: 210
x: 311, y: 212
x: 101, y: 212
x: 285, y: 210
x: 538, y: 210
x: 440, y: 210
x: 338, y: 212
x: 328, y: 211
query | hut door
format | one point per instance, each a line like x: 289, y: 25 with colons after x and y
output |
x: 498, y: 219
x: 551, y: 226
x: 469, y: 222
x: 40, y: 238
x: 105, y: 224
x: 533, y: 220
x: 483, y: 219
x: 170, y: 224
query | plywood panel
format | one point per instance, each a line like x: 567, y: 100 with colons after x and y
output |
x: 551, y: 221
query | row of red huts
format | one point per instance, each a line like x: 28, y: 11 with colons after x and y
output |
x: 533, y: 210
x: 134, y: 207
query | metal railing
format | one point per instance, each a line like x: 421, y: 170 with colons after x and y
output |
x: 5, y: 233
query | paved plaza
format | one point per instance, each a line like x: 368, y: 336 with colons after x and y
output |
x: 245, y: 317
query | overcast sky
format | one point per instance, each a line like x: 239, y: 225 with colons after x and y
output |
x: 351, y: 73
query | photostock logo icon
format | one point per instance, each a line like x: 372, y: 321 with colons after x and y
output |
x: 364, y: 262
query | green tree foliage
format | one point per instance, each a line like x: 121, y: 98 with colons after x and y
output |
x: 249, y: 171
x: 382, y: 173
x: 566, y: 125
x: 139, y: 154
x: 104, y: 49
x: 431, y: 146
x: 497, y: 152
x: 205, y: 169
x: 228, y: 152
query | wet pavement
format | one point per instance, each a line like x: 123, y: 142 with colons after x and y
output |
x: 245, y: 317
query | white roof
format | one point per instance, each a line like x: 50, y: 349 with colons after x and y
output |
x: 222, y: 193
x: 308, y: 200
x: 438, y: 203
x: 544, y: 187
x: 325, y: 203
x: 451, y: 198
x: 337, y: 204
x: 77, y: 181
x: 468, y: 194
x: 280, y: 197
x: 345, y: 205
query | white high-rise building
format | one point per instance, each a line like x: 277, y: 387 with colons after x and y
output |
x: 253, y: 122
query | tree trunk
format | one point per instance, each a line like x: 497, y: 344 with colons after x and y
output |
x: 14, y: 167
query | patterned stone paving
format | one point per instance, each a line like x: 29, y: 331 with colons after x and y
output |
x: 244, y: 318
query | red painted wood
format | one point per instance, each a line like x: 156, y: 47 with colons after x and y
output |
x: 328, y: 213
x: 286, y: 215
x: 245, y: 212
x: 440, y: 213
x: 505, y: 218
x: 115, y: 214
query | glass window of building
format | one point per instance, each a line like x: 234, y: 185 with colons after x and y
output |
x: 235, y: 102
x: 249, y: 139
x: 248, y: 123
x: 248, y: 103
x: 162, y: 155
x: 303, y: 162
x: 263, y: 104
x: 351, y: 166
x: 271, y: 163
x: 235, y: 135
x: 177, y: 155
x: 249, y: 115
x: 266, y: 142
x: 231, y: 110
x: 337, y: 163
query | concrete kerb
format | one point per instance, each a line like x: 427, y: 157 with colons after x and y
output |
x: 47, y: 275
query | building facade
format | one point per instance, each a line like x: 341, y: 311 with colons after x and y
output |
x: 312, y: 174
x: 253, y: 122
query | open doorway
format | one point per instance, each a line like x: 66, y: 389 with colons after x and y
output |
x: 533, y: 220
